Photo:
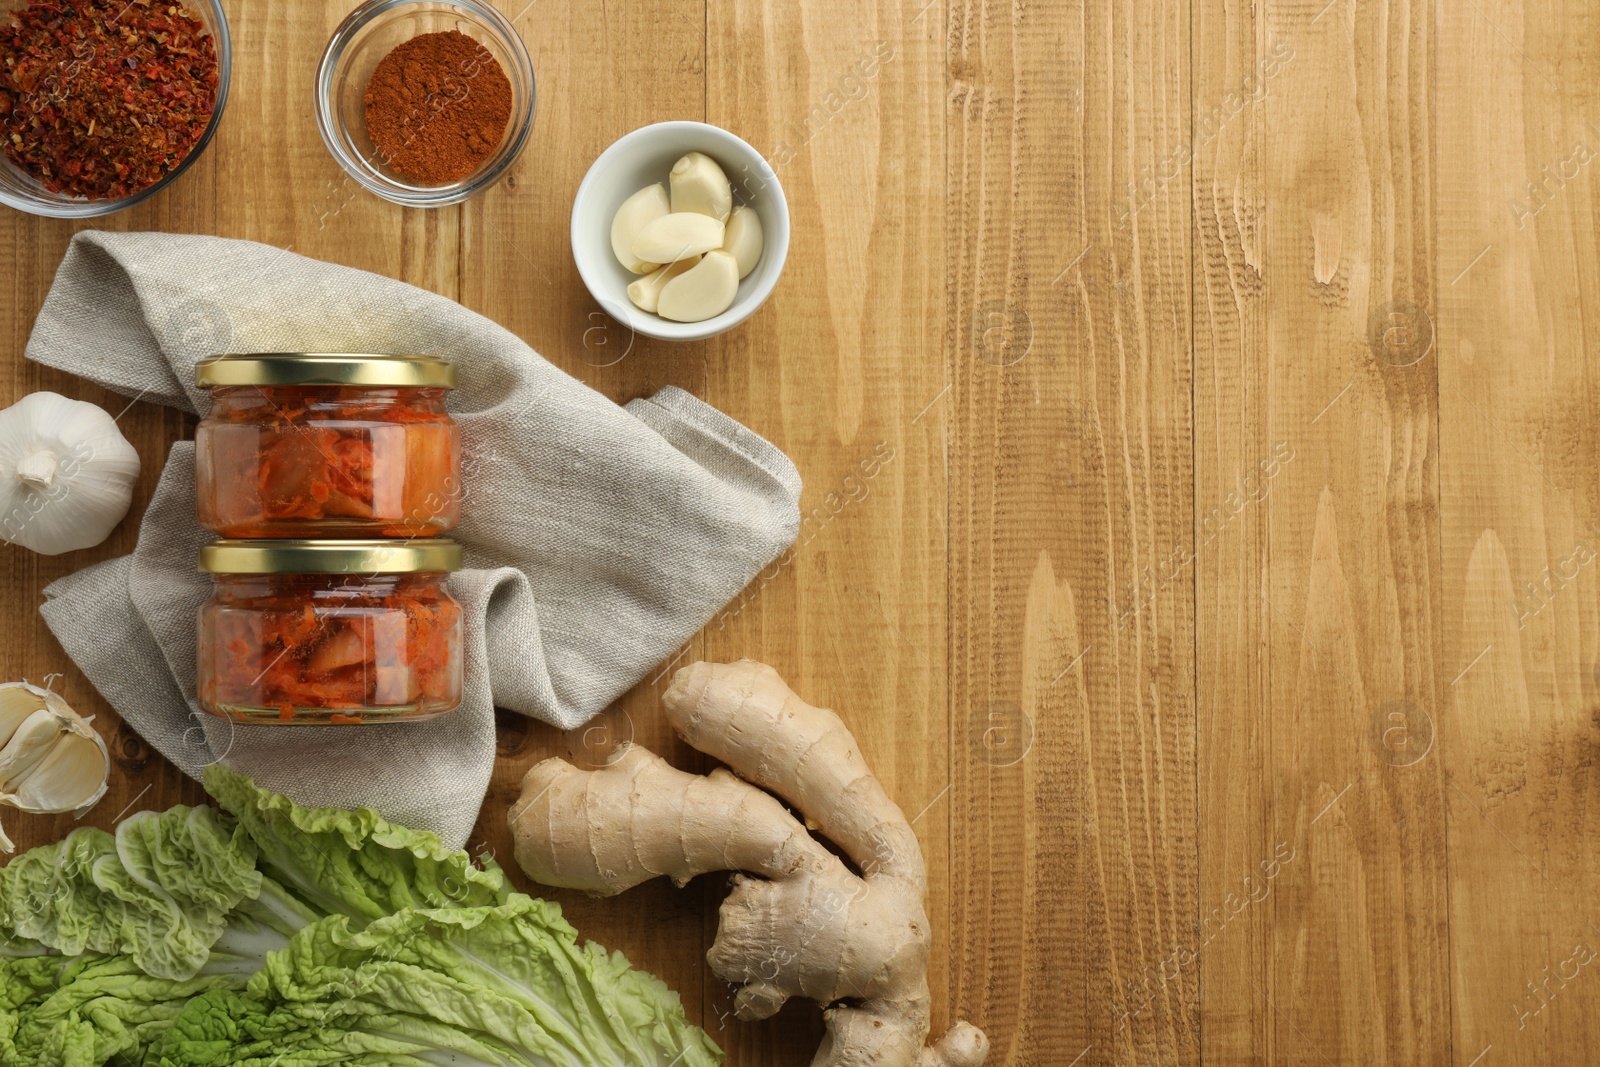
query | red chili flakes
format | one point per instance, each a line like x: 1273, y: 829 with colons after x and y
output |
x: 103, y: 98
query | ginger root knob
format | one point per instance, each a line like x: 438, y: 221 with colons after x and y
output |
x: 798, y: 921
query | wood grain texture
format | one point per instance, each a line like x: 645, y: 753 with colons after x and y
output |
x: 1516, y: 260
x: 1070, y: 485
x: 1324, y: 889
x: 1195, y: 402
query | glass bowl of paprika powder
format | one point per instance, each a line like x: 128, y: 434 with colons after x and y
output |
x: 425, y: 102
x: 97, y: 120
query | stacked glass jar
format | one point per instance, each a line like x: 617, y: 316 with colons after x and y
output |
x: 329, y: 478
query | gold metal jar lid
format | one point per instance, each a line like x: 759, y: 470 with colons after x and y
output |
x: 330, y: 557
x: 326, y: 368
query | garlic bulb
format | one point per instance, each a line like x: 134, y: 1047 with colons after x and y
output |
x: 51, y: 760
x: 66, y: 474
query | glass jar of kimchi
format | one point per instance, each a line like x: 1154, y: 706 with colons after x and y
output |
x: 309, y: 445
x: 330, y: 631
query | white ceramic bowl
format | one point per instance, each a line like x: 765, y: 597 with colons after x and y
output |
x: 643, y: 158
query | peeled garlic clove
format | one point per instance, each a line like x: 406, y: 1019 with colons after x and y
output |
x: 677, y: 236
x: 705, y: 290
x: 742, y: 238
x: 699, y: 185
x: 643, y: 207
x: 646, y: 292
x: 51, y: 759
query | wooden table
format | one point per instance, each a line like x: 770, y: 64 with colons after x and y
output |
x: 1227, y: 614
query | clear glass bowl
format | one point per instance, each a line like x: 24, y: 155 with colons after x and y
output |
x: 363, y: 39
x: 24, y: 192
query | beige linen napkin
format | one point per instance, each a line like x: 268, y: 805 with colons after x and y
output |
x: 598, y: 538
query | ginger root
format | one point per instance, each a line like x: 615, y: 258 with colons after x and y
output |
x: 798, y: 922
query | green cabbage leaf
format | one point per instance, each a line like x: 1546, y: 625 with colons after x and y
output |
x: 508, y: 986
x: 353, y: 863
x: 92, y: 1008
x: 157, y: 891
x: 272, y: 935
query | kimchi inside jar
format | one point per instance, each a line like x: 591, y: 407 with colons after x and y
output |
x: 304, y: 445
x: 337, y: 632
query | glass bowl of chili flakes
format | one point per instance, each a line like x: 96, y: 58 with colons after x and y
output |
x: 425, y: 103
x: 104, y: 103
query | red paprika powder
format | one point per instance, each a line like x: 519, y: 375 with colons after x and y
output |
x: 437, y: 106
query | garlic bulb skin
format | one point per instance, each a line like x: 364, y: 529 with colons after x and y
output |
x: 51, y: 759
x: 66, y: 474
